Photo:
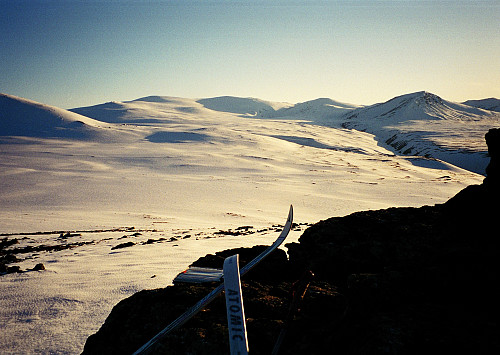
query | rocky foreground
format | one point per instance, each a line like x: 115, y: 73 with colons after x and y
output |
x: 394, y: 281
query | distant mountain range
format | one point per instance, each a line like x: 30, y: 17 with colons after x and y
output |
x: 420, y: 123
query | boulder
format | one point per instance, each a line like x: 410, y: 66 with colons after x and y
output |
x: 39, y: 267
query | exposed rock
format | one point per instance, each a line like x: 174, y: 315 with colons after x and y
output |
x: 68, y: 235
x: 123, y: 245
x: 279, y: 268
x: 39, y: 267
x: 13, y: 269
x: 492, y: 180
x: 474, y: 209
x: 6, y: 242
x: 7, y: 257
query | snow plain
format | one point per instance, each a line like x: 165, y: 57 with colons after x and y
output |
x: 168, y: 173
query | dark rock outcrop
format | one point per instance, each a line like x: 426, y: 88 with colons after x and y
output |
x: 39, y: 267
x: 123, y: 245
x: 393, y: 281
x: 492, y: 180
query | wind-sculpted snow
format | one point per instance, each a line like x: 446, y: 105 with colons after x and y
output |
x: 111, y: 112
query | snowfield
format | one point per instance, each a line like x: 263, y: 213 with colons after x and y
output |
x: 168, y: 174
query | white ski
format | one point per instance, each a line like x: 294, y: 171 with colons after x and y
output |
x: 183, y: 318
x: 236, y: 324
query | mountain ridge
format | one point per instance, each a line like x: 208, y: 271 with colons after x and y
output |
x: 491, y: 104
x: 241, y: 105
x: 418, y: 105
x: 325, y: 108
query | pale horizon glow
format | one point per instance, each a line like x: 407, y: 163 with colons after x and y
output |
x: 72, y: 53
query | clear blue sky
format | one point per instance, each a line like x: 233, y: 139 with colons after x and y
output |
x: 78, y: 53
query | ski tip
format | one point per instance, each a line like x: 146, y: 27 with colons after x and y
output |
x: 290, y: 214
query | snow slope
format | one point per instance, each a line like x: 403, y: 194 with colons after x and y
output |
x: 424, y: 124
x: 22, y: 117
x: 244, y: 106
x: 319, y: 111
x: 178, y: 172
x: 144, y: 111
x: 490, y: 104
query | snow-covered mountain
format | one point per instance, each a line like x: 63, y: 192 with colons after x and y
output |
x: 143, y: 111
x: 490, y: 104
x: 424, y: 124
x: 319, y: 111
x: 23, y: 117
x: 244, y: 106
x: 417, y: 106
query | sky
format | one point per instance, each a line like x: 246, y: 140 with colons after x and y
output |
x: 73, y: 53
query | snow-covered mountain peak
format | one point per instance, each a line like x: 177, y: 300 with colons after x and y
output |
x: 154, y: 99
x: 419, y: 101
x: 321, y: 111
x: 324, y: 101
x: 162, y: 100
x: 420, y: 105
x: 428, y: 99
